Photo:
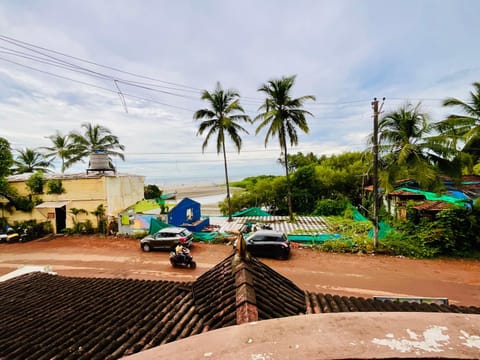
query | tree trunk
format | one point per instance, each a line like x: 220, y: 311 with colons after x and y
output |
x: 229, y: 201
x: 289, y: 189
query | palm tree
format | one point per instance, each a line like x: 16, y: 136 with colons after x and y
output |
x: 96, y: 138
x: 407, y: 148
x: 283, y: 114
x: 61, y: 148
x: 30, y: 160
x: 466, y: 126
x: 222, y: 115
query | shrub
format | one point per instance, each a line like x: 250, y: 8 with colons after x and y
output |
x: 55, y: 186
x: 36, y: 182
x: 330, y: 207
x: 151, y: 192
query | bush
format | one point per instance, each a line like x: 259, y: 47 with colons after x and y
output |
x: 55, y: 186
x: 34, y: 229
x: 330, y: 207
x: 151, y: 192
x: 36, y: 182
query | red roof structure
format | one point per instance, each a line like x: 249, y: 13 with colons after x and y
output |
x: 47, y: 316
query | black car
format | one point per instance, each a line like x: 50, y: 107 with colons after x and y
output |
x: 268, y: 243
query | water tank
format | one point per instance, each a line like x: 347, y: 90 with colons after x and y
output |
x: 99, y: 161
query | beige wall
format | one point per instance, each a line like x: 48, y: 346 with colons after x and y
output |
x: 115, y: 192
x: 121, y: 192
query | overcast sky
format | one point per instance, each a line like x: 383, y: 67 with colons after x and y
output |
x: 343, y: 52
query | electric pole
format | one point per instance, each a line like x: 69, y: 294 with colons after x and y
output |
x: 376, y: 112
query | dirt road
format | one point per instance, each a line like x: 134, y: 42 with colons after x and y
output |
x: 351, y: 275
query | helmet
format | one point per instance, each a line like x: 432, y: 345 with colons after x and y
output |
x: 182, y: 240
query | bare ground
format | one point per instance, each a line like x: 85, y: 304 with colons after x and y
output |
x: 342, y: 274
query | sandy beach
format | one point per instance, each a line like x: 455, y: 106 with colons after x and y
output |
x: 195, y: 190
x: 207, y: 194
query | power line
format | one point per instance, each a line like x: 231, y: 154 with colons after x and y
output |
x: 17, y: 42
x: 95, y: 86
x: 48, y: 59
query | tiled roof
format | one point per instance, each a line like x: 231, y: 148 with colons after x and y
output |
x: 46, y: 316
x: 406, y: 193
x: 432, y: 206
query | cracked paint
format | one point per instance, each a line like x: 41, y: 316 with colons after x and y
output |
x: 264, y: 356
x: 472, y: 341
x: 432, y: 340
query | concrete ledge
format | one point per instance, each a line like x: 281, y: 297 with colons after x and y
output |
x: 334, y: 336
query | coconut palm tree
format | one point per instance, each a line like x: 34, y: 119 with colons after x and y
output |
x: 61, y: 148
x: 409, y: 148
x: 222, y: 116
x: 466, y: 126
x: 30, y: 160
x: 95, y: 138
x: 283, y: 114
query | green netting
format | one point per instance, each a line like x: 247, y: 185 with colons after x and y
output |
x: 205, y: 236
x: 254, y: 211
x: 314, y: 238
x: 357, y: 216
x: 383, y: 230
x: 435, y: 197
x: 156, y: 225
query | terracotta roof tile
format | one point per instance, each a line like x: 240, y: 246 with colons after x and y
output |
x: 432, y: 206
x: 51, y: 316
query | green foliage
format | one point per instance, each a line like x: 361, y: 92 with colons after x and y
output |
x: 330, y: 207
x: 152, y: 191
x: 99, y: 212
x: 31, y: 160
x: 249, y: 182
x: 34, y: 229
x: 23, y: 203
x: 36, y: 182
x: 396, y: 243
x: 452, y: 232
x: 55, y: 186
x: 6, y: 158
x: 298, y: 160
x: 95, y: 138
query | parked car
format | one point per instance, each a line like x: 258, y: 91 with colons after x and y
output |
x: 268, y: 243
x: 167, y: 239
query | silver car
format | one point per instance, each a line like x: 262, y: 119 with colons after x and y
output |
x: 167, y: 239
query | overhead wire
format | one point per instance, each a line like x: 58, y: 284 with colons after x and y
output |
x: 51, y: 60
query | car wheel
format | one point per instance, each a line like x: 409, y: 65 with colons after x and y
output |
x: 282, y: 255
x: 146, y: 247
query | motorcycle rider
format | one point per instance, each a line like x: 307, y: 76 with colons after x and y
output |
x: 181, y: 251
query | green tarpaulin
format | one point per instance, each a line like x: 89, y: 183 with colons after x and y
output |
x: 435, y: 197
x: 254, y: 211
x: 156, y: 225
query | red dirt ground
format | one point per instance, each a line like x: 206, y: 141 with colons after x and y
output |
x: 342, y: 274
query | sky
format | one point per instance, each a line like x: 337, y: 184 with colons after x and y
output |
x: 138, y: 67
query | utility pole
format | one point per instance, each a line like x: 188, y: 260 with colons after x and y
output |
x: 376, y: 112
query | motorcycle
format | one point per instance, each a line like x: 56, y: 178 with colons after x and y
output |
x: 10, y: 236
x: 182, y: 259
